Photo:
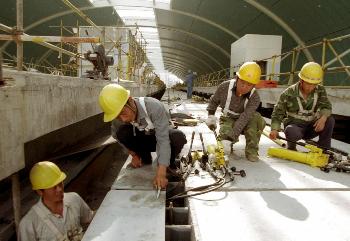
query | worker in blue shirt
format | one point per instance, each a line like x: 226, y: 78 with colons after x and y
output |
x: 189, y: 82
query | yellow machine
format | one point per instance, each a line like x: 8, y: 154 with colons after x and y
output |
x: 217, y: 155
x: 315, y: 157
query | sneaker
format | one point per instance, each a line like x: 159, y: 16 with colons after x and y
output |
x: 252, y: 158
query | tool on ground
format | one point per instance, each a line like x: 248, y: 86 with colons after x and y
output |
x: 277, y: 141
x: 205, y: 157
x: 315, y: 157
x: 188, y: 160
x: 241, y: 173
x: 219, y: 161
x: 318, y: 156
x: 158, y: 192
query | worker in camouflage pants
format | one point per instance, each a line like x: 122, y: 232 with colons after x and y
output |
x: 239, y: 101
x: 252, y: 133
x: 304, y: 109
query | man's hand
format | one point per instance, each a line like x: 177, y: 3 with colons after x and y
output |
x: 160, y: 180
x: 211, y: 122
x: 320, y: 123
x: 136, y: 160
x: 273, y: 134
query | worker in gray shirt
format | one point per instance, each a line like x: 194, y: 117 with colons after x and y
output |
x: 239, y: 101
x: 57, y: 216
x: 142, y: 126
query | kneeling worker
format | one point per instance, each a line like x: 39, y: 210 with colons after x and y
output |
x: 142, y: 126
x: 57, y: 215
x: 239, y: 101
x: 304, y: 109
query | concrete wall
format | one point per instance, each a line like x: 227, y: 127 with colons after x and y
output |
x: 253, y: 47
x: 33, y: 105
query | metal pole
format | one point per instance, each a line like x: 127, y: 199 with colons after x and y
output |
x: 339, y: 59
x: 291, y: 76
x: 19, y: 8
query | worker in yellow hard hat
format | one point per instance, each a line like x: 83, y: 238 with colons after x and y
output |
x: 57, y: 215
x: 304, y: 109
x: 142, y: 125
x: 239, y: 101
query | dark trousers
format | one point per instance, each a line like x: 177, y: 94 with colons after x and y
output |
x: 143, y: 144
x: 295, y: 132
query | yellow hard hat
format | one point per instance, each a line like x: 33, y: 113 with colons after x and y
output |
x: 311, y: 72
x: 250, y: 72
x: 45, y: 174
x: 112, y: 99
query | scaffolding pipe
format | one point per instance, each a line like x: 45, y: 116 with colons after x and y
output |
x: 53, y: 39
x: 19, y: 30
x: 291, y: 76
x: 323, y: 52
x: 339, y: 59
x: 45, y: 44
x: 6, y: 28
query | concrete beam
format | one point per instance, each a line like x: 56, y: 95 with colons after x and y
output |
x: 35, y: 104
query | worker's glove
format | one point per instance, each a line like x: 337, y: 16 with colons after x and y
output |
x: 226, y: 144
x: 211, y: 122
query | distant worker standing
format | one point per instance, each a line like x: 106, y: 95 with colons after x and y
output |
x: 142, y: 126
x: 304, y: 109
x: 239, y: 102
x: 189, y: 82
x: 57, y: 215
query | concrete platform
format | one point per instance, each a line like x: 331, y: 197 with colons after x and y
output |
x: 277, y: 200
x: 125, y: 215
x: 271, y: 215
x: 135, y: 178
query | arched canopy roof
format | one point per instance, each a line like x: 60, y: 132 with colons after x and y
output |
x: 199, y: 31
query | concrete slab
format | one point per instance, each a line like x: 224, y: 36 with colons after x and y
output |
x: 273, y: 173
x: 271, y: 215
x: 135, y: 178
x: 126, y: 215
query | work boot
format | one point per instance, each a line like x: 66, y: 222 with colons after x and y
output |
x: 252, y: 158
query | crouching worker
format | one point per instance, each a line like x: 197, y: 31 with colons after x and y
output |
x: 304, y: 109
x: 57, y: 215
x: 142, y: 126
x: 239, y: 101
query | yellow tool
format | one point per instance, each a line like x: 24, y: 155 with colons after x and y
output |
x: 219, y: 160
x: 315, y: 157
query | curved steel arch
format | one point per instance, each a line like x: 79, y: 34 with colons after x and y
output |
x: 283, y: 24
x: 197, y: 49
x: 192, y: 55
x: 186, y: 63
x: 204, y: 20
x: 172, y: 68
x: 174, y: 29
x: 190, y: 64
x: 169, y: 64
x: 176, y: 71
x: 197, y: 17
x: 173, y: 63
x: 60, y: 14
